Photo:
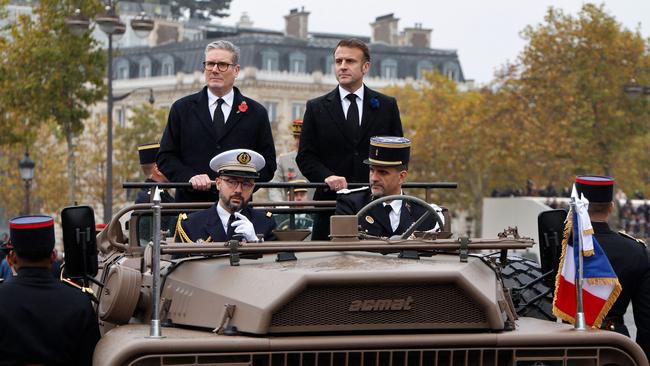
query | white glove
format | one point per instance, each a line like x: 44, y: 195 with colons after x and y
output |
x: 245, y: 227
x: 440, y: 215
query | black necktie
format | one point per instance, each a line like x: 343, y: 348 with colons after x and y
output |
x: 353, y: 116
x: 388, y: 209
x: 230, y: 229
x: 218, y: 119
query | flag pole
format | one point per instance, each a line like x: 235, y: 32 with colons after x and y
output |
x: 580, y: 323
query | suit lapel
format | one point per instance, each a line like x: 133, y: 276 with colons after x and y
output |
x: 235, y: 114
x: 381, y: 217
x: 333, y: 106
x: 202, y: 112
x: 368, y: 114
x: 213, y: 226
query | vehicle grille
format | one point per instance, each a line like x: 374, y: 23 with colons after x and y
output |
x: 586, y: 356
x: 434, y: 306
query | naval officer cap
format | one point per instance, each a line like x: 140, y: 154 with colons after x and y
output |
x: 389, y: 151
x: 32, y: 237
x: 242, y: 163
x: 596, y: 188
x: 148, y: 152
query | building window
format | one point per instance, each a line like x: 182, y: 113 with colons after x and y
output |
x: 122, y: 69
x: 329, y: 65
x: 389, y: 69
x: 451, y: 71
x: 121, y: 116
x: 297, y: 110
x: 145, y: 68
x: 272, y: 110
x: 270, y: 60
x: 297, y: 62
x: 167, y: 66
x: 424, y: 66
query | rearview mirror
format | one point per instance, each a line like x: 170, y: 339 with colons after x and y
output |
x: 550, y: 225
x: 79, y: 241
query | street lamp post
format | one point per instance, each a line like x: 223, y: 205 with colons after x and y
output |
x: 110, y: 24
x: 26, y: 167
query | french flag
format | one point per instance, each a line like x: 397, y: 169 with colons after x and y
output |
x: 600, y: 287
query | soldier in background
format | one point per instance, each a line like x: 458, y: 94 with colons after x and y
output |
x: 147, y: 154
x: 627, y: 256
x: 43, y: 320
x: 287, y: 170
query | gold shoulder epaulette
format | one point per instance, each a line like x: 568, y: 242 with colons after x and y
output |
x: 87, y: 290
x: 180, y: 231
x: 624, y: 234
x: 269, y: 213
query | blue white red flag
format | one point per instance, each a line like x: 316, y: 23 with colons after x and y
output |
x: 600, y: 287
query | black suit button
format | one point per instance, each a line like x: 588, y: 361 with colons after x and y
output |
x: 356, y: 153
x: 218, y: 146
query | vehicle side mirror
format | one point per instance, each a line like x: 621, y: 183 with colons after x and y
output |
x: 79, y: 241
x: 550, y: 225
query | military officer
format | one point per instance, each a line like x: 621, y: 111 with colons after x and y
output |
x: 236, y: 173
x: 627, y: 255
x: 287, y: 170
x: 147, y: 154
x: 42, y: 320
x: 388, y: 159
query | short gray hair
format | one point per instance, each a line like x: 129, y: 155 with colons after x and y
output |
x: 224, y: 45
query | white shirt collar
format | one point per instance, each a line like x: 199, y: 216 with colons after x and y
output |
x: 228, y: 98
x: 344, y: 93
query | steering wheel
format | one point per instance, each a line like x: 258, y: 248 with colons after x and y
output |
x: 429, y: 211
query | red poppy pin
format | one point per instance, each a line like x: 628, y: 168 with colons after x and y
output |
x: 243, y: 107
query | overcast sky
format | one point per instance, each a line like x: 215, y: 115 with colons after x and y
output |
x: 485, y: 33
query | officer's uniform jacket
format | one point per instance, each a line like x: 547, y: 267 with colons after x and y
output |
x: 43, y: 321
x: 206, y: 225
x: 629, y: 259
x: 145, y: 196
x: 376, y: 221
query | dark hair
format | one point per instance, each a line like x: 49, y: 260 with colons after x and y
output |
x: 355, y: 43
x: 599, y: 208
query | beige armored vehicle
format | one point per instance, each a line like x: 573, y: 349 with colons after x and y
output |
x: 423, y: 300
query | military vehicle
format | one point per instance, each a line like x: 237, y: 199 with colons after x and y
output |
x: 424, y: 299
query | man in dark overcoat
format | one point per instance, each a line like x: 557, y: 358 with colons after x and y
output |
x: 337, y: 128
x: 214, y: 120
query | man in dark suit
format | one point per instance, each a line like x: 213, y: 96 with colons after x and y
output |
x: 42, y: 320
x: 628, y: 257
x: 388, y: 159
x: 147, y: 154
x: 337, y: 128
x: 216, y: 119
x: 236, y: 173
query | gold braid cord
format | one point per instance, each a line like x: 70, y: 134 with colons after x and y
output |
x: 180, y: 231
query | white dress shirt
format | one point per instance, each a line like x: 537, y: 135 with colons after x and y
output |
x: 345, y: 102
x: 226, y: 106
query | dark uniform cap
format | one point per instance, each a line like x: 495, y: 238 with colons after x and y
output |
x: 32, y: 236
x: 296, y: 127
x: 148, y: 153
x: 389, y: 151
x: 298, y: 181
x: 595, y: 188
x: 242, y: 163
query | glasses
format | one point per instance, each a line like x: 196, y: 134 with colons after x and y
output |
x: 221, y: 66
x: 233, y: 184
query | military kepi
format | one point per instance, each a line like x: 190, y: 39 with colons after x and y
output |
x: 389, y: 151
x: 296, y: 127
x: 242, y: 163
x: 148, y: 153
x: 595, y: 188
x: 32, y: 236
